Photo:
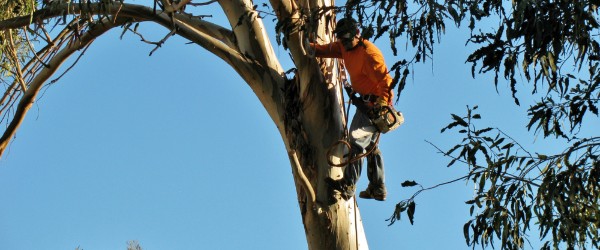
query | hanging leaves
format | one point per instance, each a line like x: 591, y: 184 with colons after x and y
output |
x: 561, y: 190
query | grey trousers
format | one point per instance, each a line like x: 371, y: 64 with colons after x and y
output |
x: 363, y: 135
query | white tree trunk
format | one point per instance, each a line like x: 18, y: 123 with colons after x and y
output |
x: 329, y: 224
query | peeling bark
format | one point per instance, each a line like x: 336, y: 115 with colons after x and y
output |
x: 308, y: 110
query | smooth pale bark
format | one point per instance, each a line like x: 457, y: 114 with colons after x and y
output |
x: 307, y: 110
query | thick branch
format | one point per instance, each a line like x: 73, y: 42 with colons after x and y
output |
x: 253, y: 40
x: 214, y: 38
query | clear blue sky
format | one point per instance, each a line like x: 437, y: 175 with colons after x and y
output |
x: 175, y: 151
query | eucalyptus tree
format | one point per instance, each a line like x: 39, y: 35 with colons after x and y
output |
x: 305, y: 104
x: 550, y: 44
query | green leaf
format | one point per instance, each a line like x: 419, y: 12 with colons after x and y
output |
x: 454, y: 14
x: 411, y: 212
x: 409, y: 184
x: 498, y: 142
x: 542, y: 157
x: 481, y: 131
x: 452, y: 149
x: 466, y: 232
x: 451, y: 162
x: 460, y: 120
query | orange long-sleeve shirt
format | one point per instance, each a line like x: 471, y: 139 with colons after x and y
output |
x: 365, y: 64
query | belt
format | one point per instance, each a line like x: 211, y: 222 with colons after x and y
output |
x: 369, y: 98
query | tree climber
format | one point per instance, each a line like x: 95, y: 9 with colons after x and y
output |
x: 371, y: 80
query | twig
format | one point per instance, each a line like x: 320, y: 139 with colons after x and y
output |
x: 161, y: 42
x: 503, y: 175
x: 513, y: 140
x: 436, y: 186
x: 37, y: 57
x: 117, y: 13
x: 13, y: 53
x: 181, y: 4
x: 200, y: 4
x: 158, y: 44
x: 72, y: 65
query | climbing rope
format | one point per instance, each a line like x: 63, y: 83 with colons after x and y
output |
x: 353, y: 159
x: 344, y: 80
x: 355, y: 223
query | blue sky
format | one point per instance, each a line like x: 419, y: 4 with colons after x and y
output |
x: 175, y: 151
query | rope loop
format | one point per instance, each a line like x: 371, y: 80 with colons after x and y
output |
x: 353, y: 159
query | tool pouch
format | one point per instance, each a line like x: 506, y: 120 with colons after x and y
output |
x: 386, y: 118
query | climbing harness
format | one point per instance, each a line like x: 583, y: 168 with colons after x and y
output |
x: 385, y: 118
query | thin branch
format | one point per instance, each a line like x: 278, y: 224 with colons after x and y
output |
x: 72, y: 65
x: 436, y: 186
x: 513, y: 140
x: 32, y: 49
x: 161, y: 42
x: 48, y: 39
x: 8, y: 98
x: 201, y: 4
x: 210, y: 33
x: 503, y: 175
x: 36, y: 84
x: 158, y: 44
x: 15, y: 57
x: 181, y: 4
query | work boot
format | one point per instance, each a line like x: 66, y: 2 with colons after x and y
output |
x: 373, y: 193
x: 346, y: 191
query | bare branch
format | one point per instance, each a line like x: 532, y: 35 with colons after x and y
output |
x: 181, y: 4
x: 161, y: 42
x: 206, y: 34
x: 15, y: 58
x: 36, y: 84
x: 37, y: 57
x: 158, y: 44
x: 205, y: 3
x: 72, y: 65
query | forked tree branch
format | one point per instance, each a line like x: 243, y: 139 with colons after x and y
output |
x: 38, y: 81
x: 213, y: 38
x: 218, y: 35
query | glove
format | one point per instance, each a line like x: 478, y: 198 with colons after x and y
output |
x: 381, y: 102
x: 308, y: 50
x: 349, y: 90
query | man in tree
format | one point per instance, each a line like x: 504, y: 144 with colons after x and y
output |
x: 371, y: 80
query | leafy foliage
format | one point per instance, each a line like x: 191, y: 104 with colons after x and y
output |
x: 554, y: 45
x: 514, y: 187
x: 560, y: 191
x: 532, y: 37
x: 12, y: 45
